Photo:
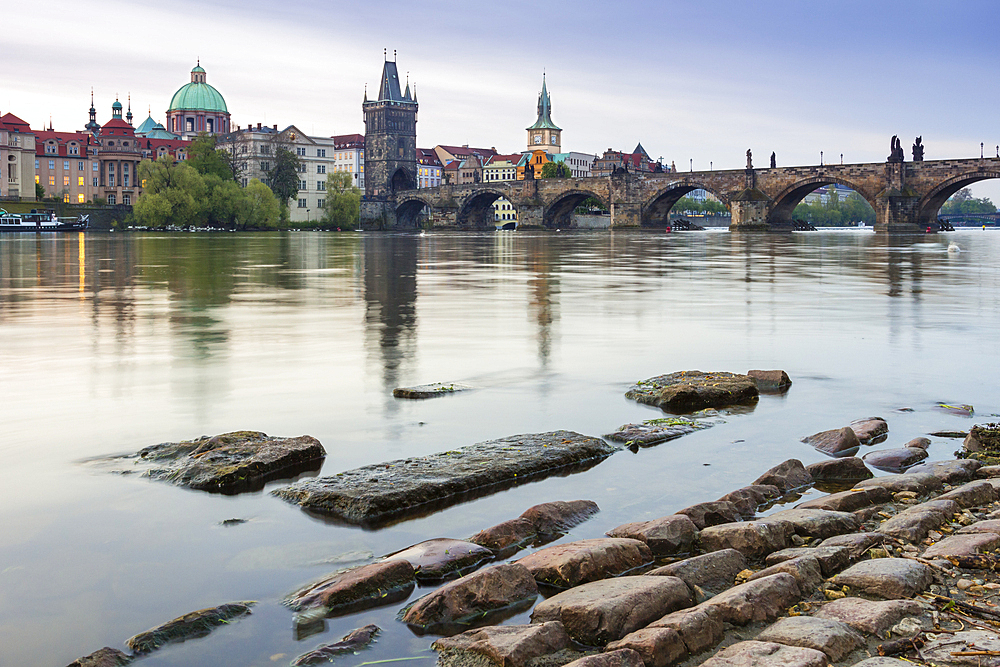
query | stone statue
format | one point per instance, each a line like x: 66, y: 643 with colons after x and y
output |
x: 749, y: 159
x: 918, y: 150
x: 895, y: 150
x: 774, y: 163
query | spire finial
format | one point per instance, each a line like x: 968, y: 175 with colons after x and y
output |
x: 385, y: 54
x: 394, y: 55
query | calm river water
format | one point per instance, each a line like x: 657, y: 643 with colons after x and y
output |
x: 113, y: 342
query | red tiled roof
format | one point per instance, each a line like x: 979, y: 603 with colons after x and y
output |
x: 117, y: 126
x: 12, y: 123
x: 62, y: 139
x: 348, y: 140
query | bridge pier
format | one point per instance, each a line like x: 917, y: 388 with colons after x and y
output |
x: 898, y: 206
x: 749, y: 210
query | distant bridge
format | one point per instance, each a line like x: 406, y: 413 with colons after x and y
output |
x: 906, y: 196
x: 993, y: 217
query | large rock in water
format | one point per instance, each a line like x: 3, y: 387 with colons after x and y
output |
x: 378, y: 494
x: 105, y: 657
x: 870, y: 430
x: 771, y: 382
x: 687, y: 391
x: 230, y: 462
x: 574, y: 563
x: 195, y: 624
x: 787, y: 476
x: 501, y: 645
x: 895, y: 460
x: 558, y: 516
x: 357, y: 588
x: 846, y: 469
x: 442, y: 558
x: 356, y: 639
x: 837, y: 442
x: 431, y: 390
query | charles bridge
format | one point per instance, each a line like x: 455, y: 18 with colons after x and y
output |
x: 906, y: 196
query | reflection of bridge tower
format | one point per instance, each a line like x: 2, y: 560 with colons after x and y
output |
x: 390, y: 145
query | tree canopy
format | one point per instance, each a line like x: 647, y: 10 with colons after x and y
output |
x: 343, y: 201
x: 206, y: 158
x: 850, y: 210
x: 963, y: 203
x: 284, y: 175
x: 556, y: 170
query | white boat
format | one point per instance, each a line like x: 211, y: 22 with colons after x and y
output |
x: 44, y: 221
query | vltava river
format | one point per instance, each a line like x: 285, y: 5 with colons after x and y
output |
x: 113, y: 342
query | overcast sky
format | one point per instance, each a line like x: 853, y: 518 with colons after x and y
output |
x: 699, y: 81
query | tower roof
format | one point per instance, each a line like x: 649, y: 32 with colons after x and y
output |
x: 146, y: 125
x: 198, y: 95
x: 388, y: 90
x: 544, y: 121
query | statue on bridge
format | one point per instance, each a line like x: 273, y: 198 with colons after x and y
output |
x: 749, y: 159
x: 774, y: 162
x: 918, y: 150
x: 896, y: 150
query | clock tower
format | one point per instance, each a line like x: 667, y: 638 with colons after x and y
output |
x: 544, y: 135
x: 390, y: 137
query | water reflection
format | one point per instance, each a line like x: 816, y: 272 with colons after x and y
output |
x: 390, y: 293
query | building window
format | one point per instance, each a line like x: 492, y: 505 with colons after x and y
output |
x: 321, y: 185
x: 302, y: 168
x: 300, y: 150
x: 189, y: 124
x: 320, y: 152
x: 302, y: 185
x: 79, y: 166
x: 125, y: 181
x: 95, y: 181
x: 74, y: 149
x: 95, y: 166
x: 36, y: 164
x: 66, y: 165
x: 265, y: 166
x: 51, y: 148
x: 79, y: 198
x: 37, y: 179
x: 65, y: 197
x: 111, y: 199
x: 52, y: 181
x: 321, y: 169
x: 211, y: 124
x: 302, y: 203
x: 320, y: 203
x: 244, y: 182
x: 79, y: 181
x: 52, y: 164
x: 127, y: 199
x: 111, y: 181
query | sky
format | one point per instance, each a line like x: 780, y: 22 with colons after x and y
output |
x: 698, y: 83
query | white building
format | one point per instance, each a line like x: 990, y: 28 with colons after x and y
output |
x: 579, y: 163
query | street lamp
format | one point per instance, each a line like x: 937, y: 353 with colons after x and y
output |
x: 980, y: 149
x: 307, y: 214
x: 821, y: 158
x: 841, y: 158
x: 692, y: 164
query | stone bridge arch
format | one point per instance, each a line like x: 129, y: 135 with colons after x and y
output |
x: 409, y: 209
x: 476, y: 209
x: 656, y: 208
x: 784, y: 202
x: 931, y: 203
x: 559, y: 212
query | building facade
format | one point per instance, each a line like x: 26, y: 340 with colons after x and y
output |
x: 197, y: 107
x: 580, y: 164
x: 349, y: 156
x: 17, y: 152
x: 429, y: 169
x: 390, y: 137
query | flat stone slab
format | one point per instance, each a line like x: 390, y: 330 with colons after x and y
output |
x: 887, y: 578
x: 988, y: 526
x: 914, y: 523
x: 441, y: 558
x: 195, y: 624
x: 972, y: 494
x: 828, y: 635
x: 753, y: 539
x: 603, y: 611
x: 709, y: 573
x: 502, y: 645
x: 806, y: 570
x: 228, y: 463
x: 356, y: 588
x: 838, y: 442
x: 381, y: 493
x: 830, y: 559
x: 622, y: 657
x: 758, y: 600
x: 787, y: 476
x: 872, y: 617
x: 473, y: 597
x: 687, y: 391
x: 950, y: 472
x: 963, y: 545
x: 856, y: 543
x: 766, y: 654
x: 847, y: 469
x: 105, y: 657
x: 712, y: 513
x: 351, y: 643
x: 818, y: 522
x: 654, y: 431
x: 575, y: 563
x: 664, y: 536
x: 917, y: 482
x: 751, y: 498
x: 848, y: 501
x: 656, y: 647
x: 431, y: 390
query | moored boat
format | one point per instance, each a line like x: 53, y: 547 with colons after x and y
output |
x: 41, y: 221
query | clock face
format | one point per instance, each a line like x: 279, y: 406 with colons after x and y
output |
x: 538, y: 138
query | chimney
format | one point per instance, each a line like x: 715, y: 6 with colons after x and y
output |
x: 258, y: 126
x: 275, y: 126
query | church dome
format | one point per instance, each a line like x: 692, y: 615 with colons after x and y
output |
x: 198, y: 95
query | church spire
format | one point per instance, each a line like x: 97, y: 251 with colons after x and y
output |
x: 92, y: 125
x: 128, y: 116
x: 544, y: 121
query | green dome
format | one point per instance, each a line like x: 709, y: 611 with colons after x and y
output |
x: 199, y: 97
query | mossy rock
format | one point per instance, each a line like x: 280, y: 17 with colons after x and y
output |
x: 688, y: 391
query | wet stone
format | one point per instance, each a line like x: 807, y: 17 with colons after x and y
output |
x: 431, y: 390
x: 623, y: 657
x: 441, y: 558
x: 870, y: 430
x: 711, y: 573
x: 805, y: 569
x: 762, y: 599
x: 558, y: 516
x: 356, y: 588
x: 474, y: 596
x: 648, y: 434
x: 887, y: 578
x: 506, y: 536
x: 195, y: 624
x: 687, y: 391
x: 771, y: 381
x: 753, y: 539
x: 839, y: 442
x: 963, y: 545
x: 229, y: 463
x: 751, y: 498
x: 830, y: 636
x: 872, y: 617
x: 355, y: 640
x: 856, y: 543
x: 575, y: 563
x: 603, y: 611
x: 105, y: 657
x: 711, y: 513
x: 818, y: 522
x: 830, y: 559
x: 501, y: 645
x: 849, y: 501
x: 787, y: 476
x: 950, y: 472
x: 847, y: 469
x: 917, y: 482
x: 380, y: 493
x: 664, y: 536
x: 766, y: 654
x: 895, y: 460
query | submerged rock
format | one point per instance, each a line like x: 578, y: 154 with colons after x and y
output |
x: 378, y: 494
x: 357, y: 588
x: 105, y: 657
x: 837, y: 442
x: 442, y: 558
x: 558, y: 516
x: 355, y: 640
x: 787, y: 476
x: 688, y: 391
x: 501, y: 645
x: 231, y: 462
x: 895, y: 460
x: 847, y: 469
x: 771, y: 381
x: 189, y: 626
x: 429, y: 390
x: 474, y: 596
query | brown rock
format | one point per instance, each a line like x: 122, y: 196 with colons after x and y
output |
x: 988, y: 472
x: 656, y: 647
x: 505, y: 536
x: 836, y: 442
x: 758, y: 600
x: 887, y: 578
x: 753, y: 539
x: 917, y: 482
x: 831, y: 559
x: 920, y: 443
x: 622, y: 657
x: 711, y: 573
x: 950, y: 472
x: 914, y: 523
x: 687, y: 391
x: 473, y: 596
x: 751, y: 498
x: 963, y: 545
x: 602, y: 611
x: 699, y: 629
x: 856, y: 543
x: 647, y: 435
x: 668, y: 535
x: 848, y: 501
x: 195, y: 624
x: 875, y: 618
x: 574, y: 563
x: 559, y: 516
x: 870, y: 430
x: 983, y: 438
x: 105, y: 657
x: 817, y: 522
x: 503, y: 645
x: 846, y: 469
x: 771, y: 381
x: 711, y: 513
x: 941, y: 651
x: 895, y: 460
x: 988, y: 526
x: 787, y: 476
x: 972, y: 494
x: 440, y: 558
x: 430, y: 390
x: 357, y: 588
x: 766, y: 654
x: 834, y: 638
x: 352, y: 643
x: 805, y: 569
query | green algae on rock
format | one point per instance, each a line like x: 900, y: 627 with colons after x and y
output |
x: 687, y: 391
x: 430, y: 390
x: 189, y: 626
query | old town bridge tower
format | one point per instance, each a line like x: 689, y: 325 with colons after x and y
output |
x: 390, y: 137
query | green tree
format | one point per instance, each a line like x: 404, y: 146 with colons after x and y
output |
x: 284, y: 175
x: 39, y: 191
x: 963, y: 203
x: 556, y: 170
x: 343, y: 201
x: 206, y: 158
x: 261, y: 210
x: 172, y: 194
